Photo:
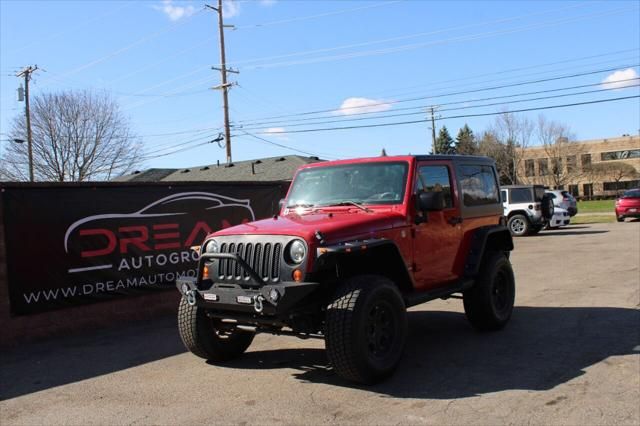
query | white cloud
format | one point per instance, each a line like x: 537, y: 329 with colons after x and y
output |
x: 616, y: 80
x: 230, y: 8
x: 358, y: 105
x: 278, y: 132
x: 174, y: 12
x: 267, y: 3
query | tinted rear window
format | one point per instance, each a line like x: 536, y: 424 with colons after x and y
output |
x: 520, y: 195
x: 479, y: 185
x: 634, y: 193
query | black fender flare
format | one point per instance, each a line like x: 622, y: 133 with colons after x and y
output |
x: 483, y: 240
x: 378, y: 252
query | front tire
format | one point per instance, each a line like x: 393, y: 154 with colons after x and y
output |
x: 489, y: 303
x: 366, y: 329
x: 518, y: 225
x: 207, y: 337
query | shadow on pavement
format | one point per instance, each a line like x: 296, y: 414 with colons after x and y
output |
x: 540, y: 349
x: 567, y: 232
x: 37, y: 366
x: 445, y: 358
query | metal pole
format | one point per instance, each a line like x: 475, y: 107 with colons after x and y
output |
x: 225, y: 88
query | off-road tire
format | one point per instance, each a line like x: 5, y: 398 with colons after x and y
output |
x: 202, y: 336
x: 519, y: 225
x: 620, y: 218
x: 366, y: 329
x: 547, y: 206
x: 489, y: 303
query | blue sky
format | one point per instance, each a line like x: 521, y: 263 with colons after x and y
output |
x: 295, y: 57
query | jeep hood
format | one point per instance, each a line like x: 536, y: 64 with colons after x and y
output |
x: 333, y: 225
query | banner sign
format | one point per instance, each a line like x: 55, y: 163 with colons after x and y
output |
x: 69, y: 245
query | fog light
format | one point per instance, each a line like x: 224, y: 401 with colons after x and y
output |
x: 205, y: 273
x: 274, y: 295
x: 297, y: 275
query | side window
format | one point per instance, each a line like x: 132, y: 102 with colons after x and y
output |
x: 435, y: 178
x: 479, y: 185
x: 520, y: 195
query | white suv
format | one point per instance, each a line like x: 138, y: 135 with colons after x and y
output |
x: 526, y: 208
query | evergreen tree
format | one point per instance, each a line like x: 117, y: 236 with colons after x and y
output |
x: 466, y: 141
x: 444, y: 142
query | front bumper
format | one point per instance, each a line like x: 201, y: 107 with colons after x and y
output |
x: 274, y: 299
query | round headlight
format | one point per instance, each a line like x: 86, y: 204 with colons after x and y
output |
x: 297, y: 251
x: 211, y: 246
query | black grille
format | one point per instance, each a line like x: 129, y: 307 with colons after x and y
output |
x: 264, y: 258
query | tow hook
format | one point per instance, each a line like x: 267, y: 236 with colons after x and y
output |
x: 257, y: 303
x: 191, y: 297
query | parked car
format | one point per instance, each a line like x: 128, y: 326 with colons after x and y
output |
x: 564, y: 200
x: 560, y: 218
x: 356, y: 243
x: 628, y: 205
x: 526, y: 208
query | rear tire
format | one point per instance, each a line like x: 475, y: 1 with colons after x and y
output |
x: 366, y: 329
x: 489, y: 303
x: 205, y: 336
x: 518, y: 225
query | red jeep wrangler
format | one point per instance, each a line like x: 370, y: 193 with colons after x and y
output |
x: 356, y: 243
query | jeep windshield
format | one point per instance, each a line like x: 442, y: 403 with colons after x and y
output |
x: 349, y: 185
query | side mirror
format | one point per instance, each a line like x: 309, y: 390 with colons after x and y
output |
x: 431, y: 201
x: 281, y: 203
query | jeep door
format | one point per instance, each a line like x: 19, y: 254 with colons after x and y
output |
x: 437, y: 237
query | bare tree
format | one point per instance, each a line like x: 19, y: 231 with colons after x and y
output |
x: 612, y: 171
x: 506, y: 141
x: 77, y: 136
x: 561, y: 149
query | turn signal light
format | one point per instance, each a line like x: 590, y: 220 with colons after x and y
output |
x: 205, y: 273
x: 297, y: 275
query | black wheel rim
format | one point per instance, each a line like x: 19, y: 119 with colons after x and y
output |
x: 381, y: 330
x: 500, y: 292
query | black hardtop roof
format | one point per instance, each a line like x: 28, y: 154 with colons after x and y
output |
x: 466, y: 158
x: 520, y: 186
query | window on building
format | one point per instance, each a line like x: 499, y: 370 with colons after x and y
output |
x: 479, y: 185
x: 587, y: 189
x: 573, y: 190
x: 556, y: 164
x: 436, y: 178
x: 618, y: 186
x: 620, y: 155
x: 585, y: 159
x: 529, y: 168
x: 543, y: 167
x: 571, y: 163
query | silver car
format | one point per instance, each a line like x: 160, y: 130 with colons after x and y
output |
x: 564, y: 200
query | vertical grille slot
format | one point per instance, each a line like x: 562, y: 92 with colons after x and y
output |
x: 258, y: 258
x: 222, y: 262
x: 275, y: 268
x: 238, y: 269
x: 266, y: 264
x: 248, y: 257
x: 230, y: 263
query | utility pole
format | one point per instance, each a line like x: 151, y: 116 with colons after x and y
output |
x: 223, y: 73
x: 433, y: 130
x: 26, y: 73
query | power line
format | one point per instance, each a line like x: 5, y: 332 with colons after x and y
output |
x: 414, y: 46
x: 422, y: 107
x: 504, y: 86
x: 281, y: 145
x: 459, y: 116
x: 320, y: 15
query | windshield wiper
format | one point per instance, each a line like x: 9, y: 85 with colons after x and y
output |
x: 293, y: 206
x: 348, y: 203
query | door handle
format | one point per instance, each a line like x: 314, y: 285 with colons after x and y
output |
x: 454, y: 220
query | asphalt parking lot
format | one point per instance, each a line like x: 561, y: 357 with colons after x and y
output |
x: 571, y: 355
